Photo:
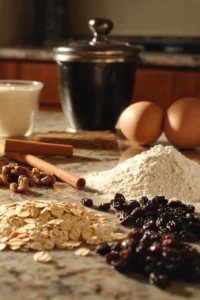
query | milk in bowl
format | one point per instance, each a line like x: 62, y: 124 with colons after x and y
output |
x: 18, y: 106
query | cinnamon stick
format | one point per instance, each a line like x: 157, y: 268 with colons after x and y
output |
x: 37, y: 148
x: 70, y: 178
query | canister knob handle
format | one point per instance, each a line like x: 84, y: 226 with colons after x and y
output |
x: 101, y: 28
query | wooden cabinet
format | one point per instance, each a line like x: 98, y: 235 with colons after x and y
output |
x: 186, y: 84
x: 155, y: 86
x: 163, y: 87
x: 46, y: 73
x: 9, y: 70
x: 160, y: 86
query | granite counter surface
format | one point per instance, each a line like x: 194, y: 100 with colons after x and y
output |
x: 148, y: 59
x: 72, y: 277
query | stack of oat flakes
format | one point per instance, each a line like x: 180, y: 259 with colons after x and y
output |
x: 43, y: 225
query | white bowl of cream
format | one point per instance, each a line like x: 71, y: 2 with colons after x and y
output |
x: 19, y: 101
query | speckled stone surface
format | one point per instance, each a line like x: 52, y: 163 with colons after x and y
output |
x: 147, y: 59
x: 72, y: 277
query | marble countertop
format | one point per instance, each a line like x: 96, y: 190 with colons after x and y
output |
x: 71, y: 277
x: 148, y: 59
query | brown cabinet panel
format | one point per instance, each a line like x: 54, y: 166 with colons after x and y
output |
x: 186, y: 84
x: 9, y: 70
x: 154, y: 86
x: 159, y: 86
x: 46, y: 73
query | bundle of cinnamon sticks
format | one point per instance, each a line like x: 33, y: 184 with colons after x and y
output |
x: 22, y: 150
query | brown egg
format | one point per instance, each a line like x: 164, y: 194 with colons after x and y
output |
x: 182, y: 123
x: 142, y: 122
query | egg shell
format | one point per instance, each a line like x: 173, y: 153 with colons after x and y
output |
x: 142, y: 122
x: 182, y: 123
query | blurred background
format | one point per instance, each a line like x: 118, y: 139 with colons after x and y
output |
x: 36, y: 21
x: 167, y: 31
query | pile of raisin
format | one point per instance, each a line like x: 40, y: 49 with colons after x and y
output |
x: 158, y: 256
x: 159, y: 215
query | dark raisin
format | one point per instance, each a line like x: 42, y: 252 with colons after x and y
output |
x: 151, y: 214
x: 149, y: 225
x: 125, y: 207
x: 190, y: 208
x: 103, y: 249
x: 104, y: 206
x: 149, y: 238
x: 149, y: 268
x: 132, y: 204
x: 138, y: 222
x: 135, y: 234
x: 116, y: 247
x: 173, y: 225
x: 180, y: 211
x: 138, y: 212
x: 122, y: 215
x: 174, y: 203
x: 159, y: 200
x: 160, y: 280
x: 120, y: 197
x: 171, y: 242
x: 127, y: 221
x: 112, y: 257
x: 87, y: 202
x: 144, y: 200
x: 194, y: 228
x: 117, y: 204
x: 155, y: 249
x: 122, y: 266
x: 188, y: 236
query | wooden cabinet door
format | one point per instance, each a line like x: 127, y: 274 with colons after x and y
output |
x: 154, y: 85
x: 186, y: 83
x: 9, y: 69
x: 46, y: 73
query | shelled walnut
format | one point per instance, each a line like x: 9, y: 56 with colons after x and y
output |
x: 40, y: 178
x: 20, y: 178
x: 21, y: 186
x: 12, y: 171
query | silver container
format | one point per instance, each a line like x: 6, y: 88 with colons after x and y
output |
x: 96, y: 79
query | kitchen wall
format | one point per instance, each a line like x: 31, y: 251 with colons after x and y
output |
x: 131, y: 17
x: 138, y: 17
x: 16, y: 20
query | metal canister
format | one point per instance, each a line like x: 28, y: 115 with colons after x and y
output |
x: 96, y: 78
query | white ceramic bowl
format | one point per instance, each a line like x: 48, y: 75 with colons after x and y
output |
x: 19, y: 101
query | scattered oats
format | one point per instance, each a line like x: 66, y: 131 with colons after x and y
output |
x: 2, y: 246
x: 44, y: 225
x: 41, y: 205
x: 24, y: 214
x: 68, y: 245
x: 23, y: 249
x: 55, y: 222
x: 82, y: 252
x: 34, y: 212
x: 36, y: 246
x: 42, y: 256
x: 30, y: 220
x: 118, y: 236
x: 11, y: 213
x: 4, y: 239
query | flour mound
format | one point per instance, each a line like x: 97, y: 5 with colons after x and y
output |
x: 162, y: 170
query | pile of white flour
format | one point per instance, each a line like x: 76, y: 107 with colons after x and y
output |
x: 158, y: 171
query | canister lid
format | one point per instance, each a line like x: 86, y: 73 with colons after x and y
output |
x: 100, y: 48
